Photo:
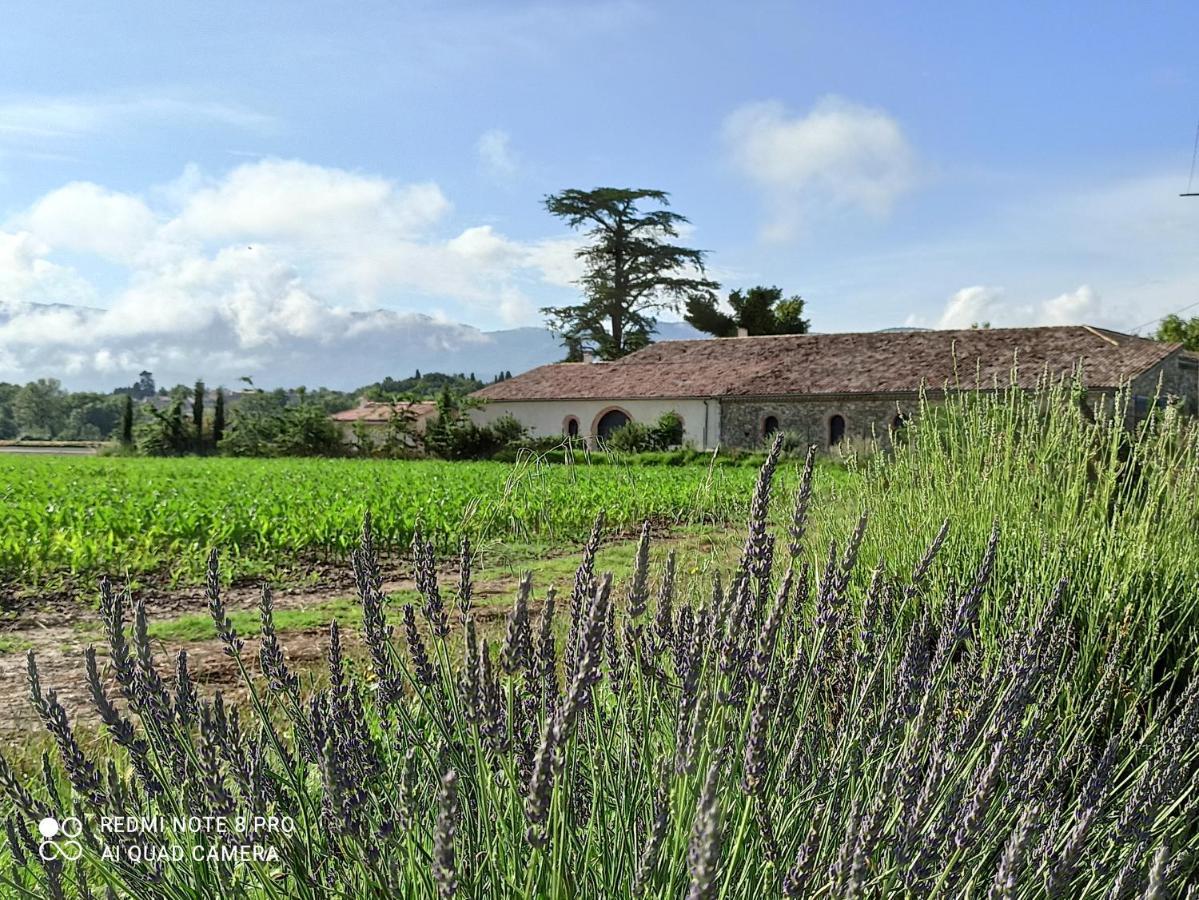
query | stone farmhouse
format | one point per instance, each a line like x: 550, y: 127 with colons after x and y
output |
x: 735, y: 392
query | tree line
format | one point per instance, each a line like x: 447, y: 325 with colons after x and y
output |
x: 192, y: 418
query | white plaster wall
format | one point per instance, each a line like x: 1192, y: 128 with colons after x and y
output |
x: 548, y: 417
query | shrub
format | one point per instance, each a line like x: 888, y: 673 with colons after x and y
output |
x: 631, y: 437
x: 636, y: 437
x: 281, y: 430
x: 460, y: 438
x: 843, y: 734
x: 165, y: 434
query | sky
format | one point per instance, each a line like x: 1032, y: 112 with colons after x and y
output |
x: 229, y: 188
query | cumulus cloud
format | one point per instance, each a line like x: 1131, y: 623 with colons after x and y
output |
x: 495, y: 154
x: 28, y: 277
x: 290, y: 199
x: 276, y: 265
x: 838, y: 156
x: 979, y: 303
x: 86, y: 218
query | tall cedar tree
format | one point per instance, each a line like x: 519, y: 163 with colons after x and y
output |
x: 759, y: 310
x: 127, y: 421
x: 218, y: 418
x: 198, y: 414
x: 632, y: 271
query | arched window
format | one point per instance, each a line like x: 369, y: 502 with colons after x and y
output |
x: 836, y: 430
x: 769, y: 426
x: 572, y: 427
x: 898, y: 422
x: 609, y: 422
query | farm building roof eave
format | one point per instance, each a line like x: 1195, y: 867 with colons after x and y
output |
x: 853, y: 363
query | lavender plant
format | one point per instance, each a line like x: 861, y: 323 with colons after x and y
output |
x: 811, y: 725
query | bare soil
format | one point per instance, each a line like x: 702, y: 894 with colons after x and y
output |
x: 59, y: 631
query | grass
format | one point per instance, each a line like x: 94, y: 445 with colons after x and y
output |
x: 13, y: 644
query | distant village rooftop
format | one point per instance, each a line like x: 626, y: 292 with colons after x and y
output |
x: 373, y: 412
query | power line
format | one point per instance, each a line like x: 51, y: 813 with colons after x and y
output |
x: 1194, y: 156
x: 1174, y: 313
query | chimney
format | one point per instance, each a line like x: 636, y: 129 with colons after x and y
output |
x: 588, y: 356
x: 742, y: 332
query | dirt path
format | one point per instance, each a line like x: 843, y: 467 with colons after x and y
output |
x: 63, y: 627
x: 59, y: 635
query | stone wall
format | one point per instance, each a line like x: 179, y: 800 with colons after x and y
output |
x: 742, y: 422
x: 1179, y: 378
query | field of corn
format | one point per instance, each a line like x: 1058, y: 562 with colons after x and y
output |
x: 89, y: 516
x: 973, y: 675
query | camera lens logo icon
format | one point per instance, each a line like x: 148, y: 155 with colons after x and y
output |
x: 60, y: 839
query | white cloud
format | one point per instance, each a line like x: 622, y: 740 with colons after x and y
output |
x: 43, y: 118
x: 274, y: 264
x: 495, y: 154
x: 839, y: 156
x: 981, y: 304
x: 86, y: 218
x: 27, y: 276
x: 557, y: 259
x: 295, y: 200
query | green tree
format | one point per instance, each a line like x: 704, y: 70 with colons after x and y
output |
x: 8, y: 425
x: 631, y: 269
x: 90, y: 416
x: 401, y: 438
x: 574, y: 351
x: 39, y: 408
x: 1176, y: 329
x: 759, y: 310
x: 218, y: 418
x: 145, y: 386
x: 266, y: 425
x: 166, y: 434
x: 198, y: 414
x: 127, y: 421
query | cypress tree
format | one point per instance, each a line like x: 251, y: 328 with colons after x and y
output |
x: 198, y: 414
x: 218, y: 418
x: 127, y: 421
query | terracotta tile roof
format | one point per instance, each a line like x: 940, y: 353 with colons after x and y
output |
x: 380, y: 413
x: 860, y: 363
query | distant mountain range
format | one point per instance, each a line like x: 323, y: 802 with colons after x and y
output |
x: 97, y: 349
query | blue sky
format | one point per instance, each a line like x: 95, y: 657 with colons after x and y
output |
x: 263, y: 173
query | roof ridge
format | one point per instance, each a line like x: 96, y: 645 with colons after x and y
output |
x: 887, y: 332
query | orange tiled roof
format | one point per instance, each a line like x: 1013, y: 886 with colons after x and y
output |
x: 855, y: 363
x: 381, y: 413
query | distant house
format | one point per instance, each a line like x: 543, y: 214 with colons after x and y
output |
x: 375, y: 418
x: 735, y: 392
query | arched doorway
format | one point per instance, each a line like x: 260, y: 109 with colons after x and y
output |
x: 769, y: 426
x: 609, y: 422
x: 836, y: 430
